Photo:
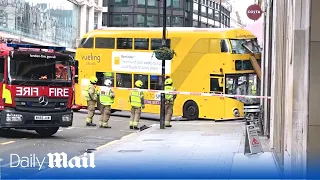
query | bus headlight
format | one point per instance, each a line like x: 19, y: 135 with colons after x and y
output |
x: 236, y: 112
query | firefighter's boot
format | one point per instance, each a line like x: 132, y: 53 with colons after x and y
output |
x: 167, y: 124
x: 105, y: 125
x: 131, y: 124
x: 89, y: 122
x: 135, y: 125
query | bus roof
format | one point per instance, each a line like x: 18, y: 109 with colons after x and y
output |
x: 237, y: 33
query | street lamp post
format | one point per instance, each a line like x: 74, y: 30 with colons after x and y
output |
x: 163, y: 72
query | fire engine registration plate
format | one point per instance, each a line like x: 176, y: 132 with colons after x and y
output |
x: 47, y: 118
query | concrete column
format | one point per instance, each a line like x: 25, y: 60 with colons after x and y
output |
x: 99, y: 19
x: 291, y: 133
x: 313, y: 142
x: 91, y: 18
x: 297, y: 102
x: 83, y: 20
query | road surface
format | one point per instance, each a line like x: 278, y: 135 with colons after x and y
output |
x: 74, y: 141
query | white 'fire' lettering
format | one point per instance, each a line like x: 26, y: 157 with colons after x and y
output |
x: 60, y: 92
x: 27, y: 91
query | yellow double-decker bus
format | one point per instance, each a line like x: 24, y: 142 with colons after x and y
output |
x: 207, y: 61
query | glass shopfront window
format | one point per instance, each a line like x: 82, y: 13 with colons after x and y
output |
x: 49, y: 21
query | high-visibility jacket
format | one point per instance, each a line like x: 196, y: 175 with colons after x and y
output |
x: 95, y: 93
x: 136, y: 97
x: 106, y: 96
x: 169, y: 97
x: 253, y: 90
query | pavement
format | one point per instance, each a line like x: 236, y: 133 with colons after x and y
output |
x: 188, y: 150
x: 73, y: 140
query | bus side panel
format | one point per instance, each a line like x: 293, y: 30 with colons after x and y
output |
x: 209, y: 107
x: 212, y: 107
x: 121, y: 100
x: 152, y: 102
x: 230, y: 105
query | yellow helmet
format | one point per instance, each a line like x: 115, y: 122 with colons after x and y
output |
x: 93, y: 80
x: 168, y: 81
x: 138, y: 83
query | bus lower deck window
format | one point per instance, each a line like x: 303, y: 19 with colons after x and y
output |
x: 124, y: 80
x: 156, y: 82
x: 143, y: 78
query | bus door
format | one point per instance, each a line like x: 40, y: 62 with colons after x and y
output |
x: 214, y: 106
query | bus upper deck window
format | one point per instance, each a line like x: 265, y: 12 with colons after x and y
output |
x: 141, y: 43
x: 157, y: 43
x: 107, y: 43
x: 224, y: 46
x: 86, y: 43
x: 124, y: 43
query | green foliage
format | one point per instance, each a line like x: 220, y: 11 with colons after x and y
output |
x: 164, y: 53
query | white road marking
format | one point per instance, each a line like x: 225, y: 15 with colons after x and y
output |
x: 8, y: 142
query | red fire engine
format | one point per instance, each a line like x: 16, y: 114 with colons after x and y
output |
x: 36, y: 88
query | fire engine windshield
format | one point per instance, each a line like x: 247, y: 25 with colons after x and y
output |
x: 34, y: 68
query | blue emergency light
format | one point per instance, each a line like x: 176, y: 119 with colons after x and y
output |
x: 55, y: 48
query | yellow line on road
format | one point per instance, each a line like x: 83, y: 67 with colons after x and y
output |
x: 8, y: 142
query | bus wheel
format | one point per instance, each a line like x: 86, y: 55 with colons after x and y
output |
x: 190, y: 110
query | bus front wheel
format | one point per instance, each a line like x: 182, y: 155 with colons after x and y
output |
x: 190, y: 110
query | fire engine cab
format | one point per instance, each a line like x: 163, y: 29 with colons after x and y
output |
x: 36, y: 88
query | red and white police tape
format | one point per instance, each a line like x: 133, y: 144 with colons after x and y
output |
x: 198, y: 93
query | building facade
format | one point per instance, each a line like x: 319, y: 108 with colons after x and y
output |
x: 291, y: 75
x: 180, y: 13
x: 47, y: 22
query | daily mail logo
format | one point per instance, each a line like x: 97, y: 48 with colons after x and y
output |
x: 52, y: 160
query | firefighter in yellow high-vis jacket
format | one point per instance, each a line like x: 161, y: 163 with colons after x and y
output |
x: 137, y: 103
x: 91, y: 97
